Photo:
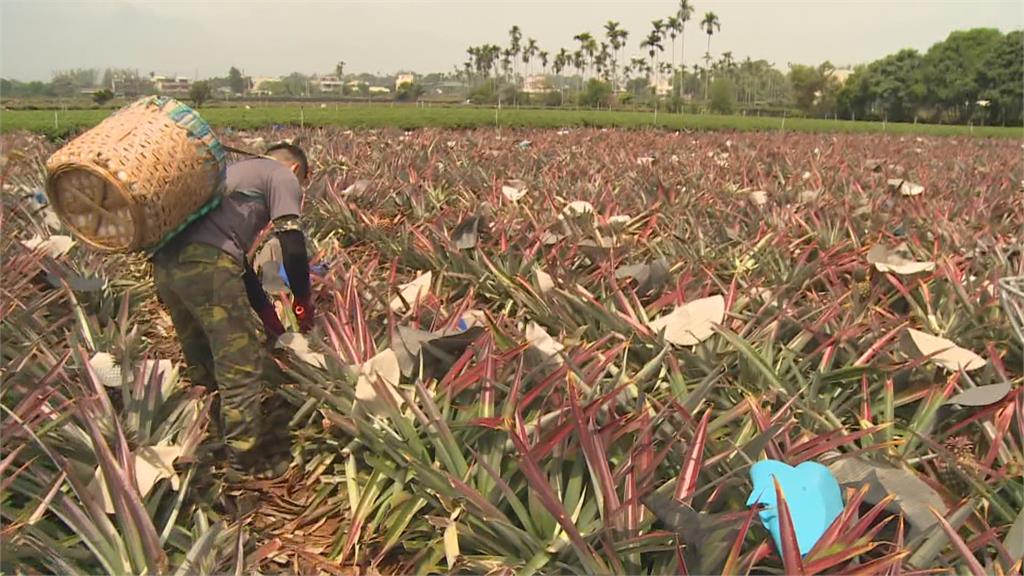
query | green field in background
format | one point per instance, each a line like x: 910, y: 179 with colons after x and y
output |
x: 61, y: 123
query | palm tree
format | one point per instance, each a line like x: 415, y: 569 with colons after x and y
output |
x: 603, y: 61
x: 476, y: 58
x: 339, y: 69
x: 515, y: 35
x: 666, y: 67
x: 728, y: 64
x: 640, y: 65
x: 490, y: 54
x: 588, y: 46
x: 579, y: 61
x: 684, y: 14
x: 673, y: 26
x: 507, y: 61
x: 473, y: 62
x: 529, y: 51
x: 562, y: 59
x: 543, y: 55
x: 710, y: 23
x: 653, y: 45
x: 617, y: 38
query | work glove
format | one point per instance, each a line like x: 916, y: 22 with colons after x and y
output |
x: 304, y: 313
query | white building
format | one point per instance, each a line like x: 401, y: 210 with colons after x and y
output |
x: 842, y: 74
x: 536, y: 84
x: 259, y: 85
x: 330, y: 83
x: 168, y: 84
x: 380, y: 90
x: 404, y: 79
x: 664, y: 85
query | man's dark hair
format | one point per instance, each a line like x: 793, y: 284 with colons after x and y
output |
x: 294, y: 153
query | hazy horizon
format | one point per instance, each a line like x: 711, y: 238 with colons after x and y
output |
x: 191, y: 38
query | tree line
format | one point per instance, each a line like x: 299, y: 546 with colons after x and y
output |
x: 972, y: 76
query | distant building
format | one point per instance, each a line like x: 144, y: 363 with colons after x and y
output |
x: 842, y: 74
x: 664, y: 85
x: 536, y: 84
x: 380, y: 90
x: 330, y: 83
x: 404, y: 79
x: 126, y: 83
x: 449, y: 87
x: 172, y: 84
x: 259, y: 82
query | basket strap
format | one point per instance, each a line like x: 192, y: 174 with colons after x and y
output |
x: 243, y: 152
x: 203, y: 210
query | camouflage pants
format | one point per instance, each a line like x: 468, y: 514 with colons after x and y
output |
x: 202, y: 288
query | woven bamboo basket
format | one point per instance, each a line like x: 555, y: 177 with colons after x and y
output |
x: 138, y: 177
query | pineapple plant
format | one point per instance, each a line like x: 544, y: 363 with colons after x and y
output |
x: 532, y: 406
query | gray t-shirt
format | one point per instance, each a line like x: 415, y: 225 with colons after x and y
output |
x: 259, y: 190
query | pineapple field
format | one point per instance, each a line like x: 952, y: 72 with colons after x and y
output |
x: 552, y: 352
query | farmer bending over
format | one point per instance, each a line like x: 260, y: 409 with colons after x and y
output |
x: 204, y: 279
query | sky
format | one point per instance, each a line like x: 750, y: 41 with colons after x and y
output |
x: 270, y: 38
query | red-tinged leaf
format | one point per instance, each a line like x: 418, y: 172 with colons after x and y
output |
x: 494, y: 423
x: 487, y: 511
x: 835, y: 529
x: 986, y: 538
x: 986, y: 412
x: 1003, y: 419
x: 10, y: 459
x: 866, y: 400
x: 680, y: 562
x: 897, y: 568
x: 10, y: 478
x: 965, y: 552
x: 866, y: 521
x: 263, y: 552
x: 883, y: 564
x: 870, y: 535
x: 783, y: 412
x: 827, y: 563
x: 595, y: 456
x: 552, y: 439
x: 732, y: 561
x: 644, y: 452
x: 650, y: 470
x: 763, y: 424
x: 760, y: 553
x: 122, y: 487
x: 687, y: 483
x: 543, y: 386
x: 537, y: 480
x: 819, y: 445
x: 456, y: 381
x: 633, y: 509
x: 790, y: 548
x: 882, y: 342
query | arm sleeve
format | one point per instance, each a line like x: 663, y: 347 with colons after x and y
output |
x: 296, y: 261
x: 285, y: 195
x: 254, y: 290
x: 285, y: 202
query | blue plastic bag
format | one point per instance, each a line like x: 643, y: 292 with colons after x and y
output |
x: 811, y: 491
x: 319, y: 269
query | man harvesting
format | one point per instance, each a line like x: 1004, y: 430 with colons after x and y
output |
x: 204, y: 279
